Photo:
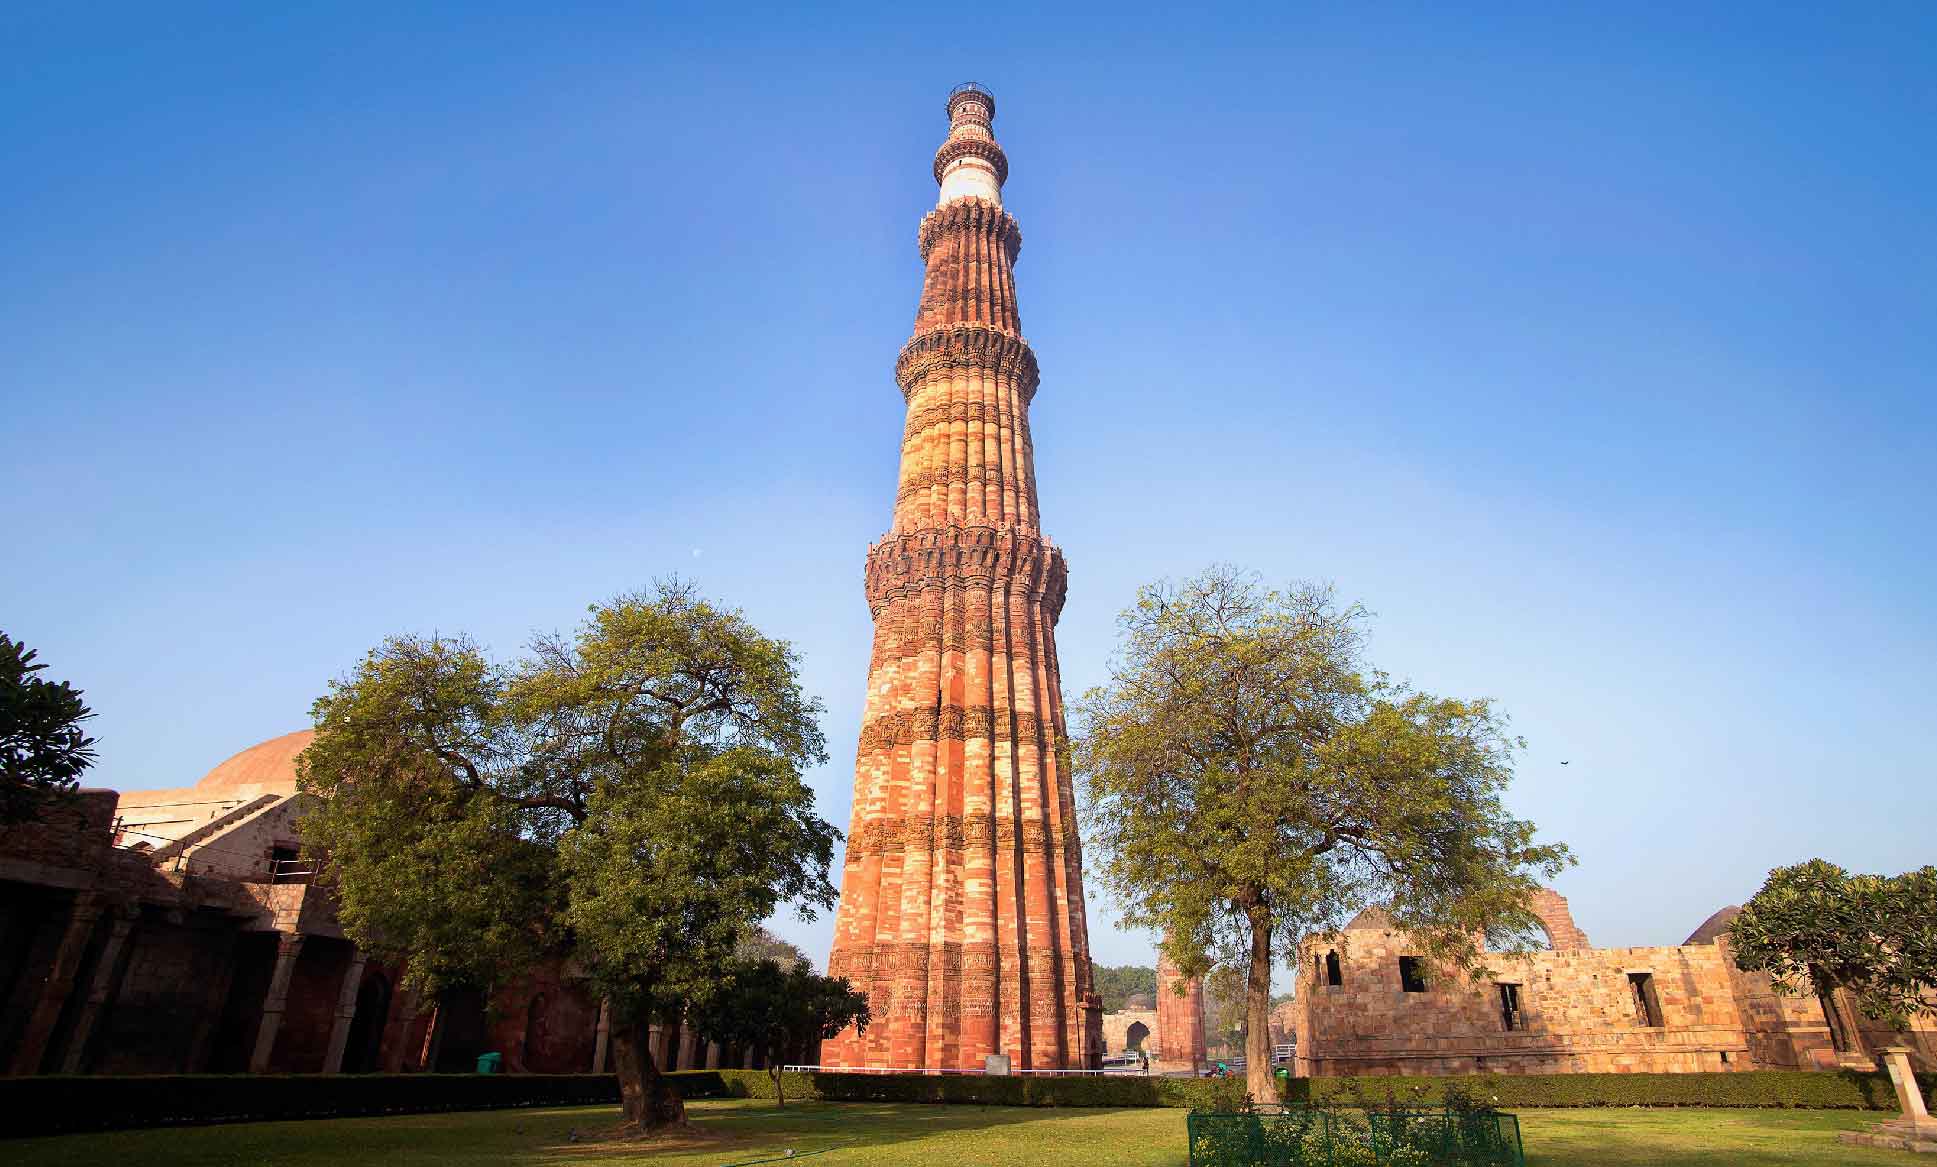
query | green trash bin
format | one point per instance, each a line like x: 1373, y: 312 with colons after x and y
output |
x: 490, y: 1063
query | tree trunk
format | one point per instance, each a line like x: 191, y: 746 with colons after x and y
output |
x: 1258, y: 1080
x: 647, y: 1096
x: 779, y: 1091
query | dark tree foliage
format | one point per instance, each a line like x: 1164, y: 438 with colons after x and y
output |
x: 761, y: 1006
x: 42, y: 748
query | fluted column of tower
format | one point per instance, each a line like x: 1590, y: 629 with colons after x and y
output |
x: 962, y: 899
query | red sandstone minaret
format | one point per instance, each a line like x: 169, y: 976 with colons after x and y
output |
x: 1180, y: 1021
x: 962, y: 900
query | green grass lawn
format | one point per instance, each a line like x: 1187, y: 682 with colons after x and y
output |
x: 881, y: 1135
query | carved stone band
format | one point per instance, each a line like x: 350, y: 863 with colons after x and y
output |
x: 978, y: 147
x: 967, y: 346
x: 950, y: 723
x: 903, y: 565
x: 896, y: 834
x: 970, y: 215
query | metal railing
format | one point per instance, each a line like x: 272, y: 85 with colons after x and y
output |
x: 292, y: 870
x: 935, y: 1070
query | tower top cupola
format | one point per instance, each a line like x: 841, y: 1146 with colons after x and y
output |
x: 970, y: 165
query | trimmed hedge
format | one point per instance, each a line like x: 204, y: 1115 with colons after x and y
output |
x: 1795, y: 1089
x: 61, y: 1105
x: 992, y: 1090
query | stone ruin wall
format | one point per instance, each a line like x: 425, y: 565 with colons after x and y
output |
x: 1116, y: 1030
x: 1577, y: 1011
x: 1783, y: 1033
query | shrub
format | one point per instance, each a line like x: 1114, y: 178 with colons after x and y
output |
x: 1806, y: 1089
x: 1762, y: 1088
x: 59, y: 1105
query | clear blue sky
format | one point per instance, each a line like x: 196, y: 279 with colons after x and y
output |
x: 1594, y: 352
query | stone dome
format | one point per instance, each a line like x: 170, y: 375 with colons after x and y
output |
x: 1714, y: 926
x: 268, y: 767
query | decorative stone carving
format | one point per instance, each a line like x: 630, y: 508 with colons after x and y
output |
x: 967, y: 346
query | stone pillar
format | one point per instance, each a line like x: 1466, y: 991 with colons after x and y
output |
x: 433, y: 1039
x: 99, y: 989
x: 288, y: 948
x: 1180, y: 1021
x: 58, y: 983
x: 712, y: 1055
x: 603, y: 1037
x: 345, y: 1013
x: 396, y: 1030
x: 688, y: 1049
x: 1840, y: 1013
x: 214, y: 1005
x: 746, y: 1059
x: 1910, y: 1097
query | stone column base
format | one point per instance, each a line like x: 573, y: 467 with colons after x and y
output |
x: 1903, y: 1134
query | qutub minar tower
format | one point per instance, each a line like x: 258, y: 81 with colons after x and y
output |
x: 961, y: 909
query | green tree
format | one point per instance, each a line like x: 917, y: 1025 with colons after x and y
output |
x: 632, y: 793
x: 1116, y: 984
x: 760, y: 944
x: 1248, y: 779
x: 1225, y: 1017
x: 761, y: 1006
x: 1816, y: 928
x: 43, y: 750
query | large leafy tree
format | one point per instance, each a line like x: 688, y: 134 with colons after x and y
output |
x: 1816, y: 928
x: 760, y: 944
x: 764, y: 1006
x: 1226, y: 1020
x: 43, y: 750
x: 633, y: 792
x: 1117, y: 984
x: 1248, y: 779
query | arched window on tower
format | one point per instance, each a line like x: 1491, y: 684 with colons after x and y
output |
x: 1332, y: 976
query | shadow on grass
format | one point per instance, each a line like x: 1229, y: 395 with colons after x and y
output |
x: 737, y: 1131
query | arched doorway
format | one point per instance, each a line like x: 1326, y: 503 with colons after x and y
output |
x: 363, y: 1052
x: 459, y: 1033
x: 1134, y: 1037
x: 535, y: 1032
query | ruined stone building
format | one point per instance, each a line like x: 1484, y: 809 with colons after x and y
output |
x: 962, y: 912
x: 1171, y: 1032
x: 177, y: 931
x: 1366, y: 1004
